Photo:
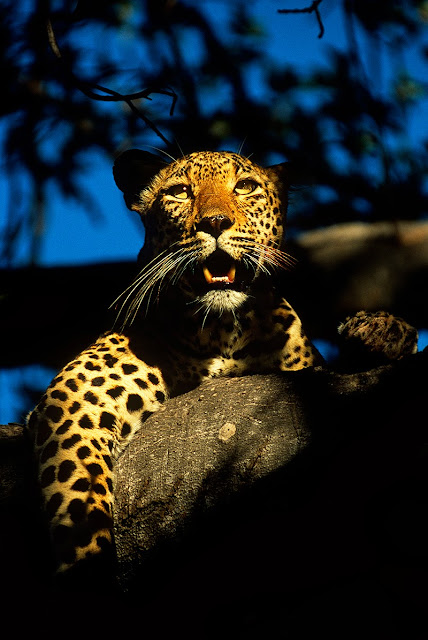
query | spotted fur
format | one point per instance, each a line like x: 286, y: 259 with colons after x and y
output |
x: 370, y: 339
x: 203, y: 305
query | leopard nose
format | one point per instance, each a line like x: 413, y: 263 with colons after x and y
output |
x: 214, y: 225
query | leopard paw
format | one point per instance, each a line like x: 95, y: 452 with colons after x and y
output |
x: 372, y: 339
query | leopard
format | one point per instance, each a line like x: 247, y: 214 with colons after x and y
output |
x: 203, y: 304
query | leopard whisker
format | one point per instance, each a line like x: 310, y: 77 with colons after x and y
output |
x: 251, y: 262
x: 165, y: 153
x: 255, y: 263
x: 134, y: 286
x: 152, y: 276
x: 270, y: 255
x: 151, y: 266
x: 186, y: 262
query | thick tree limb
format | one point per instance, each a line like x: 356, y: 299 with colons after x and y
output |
x: 257, y: 503
x: 249, y: 501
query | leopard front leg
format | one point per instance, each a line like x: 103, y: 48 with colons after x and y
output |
x: 89, y: 412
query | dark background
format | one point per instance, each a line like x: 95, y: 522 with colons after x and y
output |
x: 337, y: 88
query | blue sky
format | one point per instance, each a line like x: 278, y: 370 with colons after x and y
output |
x: 72, y: 237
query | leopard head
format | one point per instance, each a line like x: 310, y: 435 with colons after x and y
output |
x: 214, y: 226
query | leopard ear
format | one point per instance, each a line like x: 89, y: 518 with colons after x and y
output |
x: 279, y: 174
x: 133, y: 170
x: 287, y: 174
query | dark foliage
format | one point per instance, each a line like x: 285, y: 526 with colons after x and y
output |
x: 333, y: 124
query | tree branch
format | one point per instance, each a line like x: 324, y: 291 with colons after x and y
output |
x: 113, y: 96
x: 312, y: 8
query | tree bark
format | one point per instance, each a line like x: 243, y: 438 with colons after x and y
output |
x: 270, y: 506
x: 284, y: 504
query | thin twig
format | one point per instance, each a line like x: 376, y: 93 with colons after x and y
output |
x: 113, y: 96
x: 312, y: 8
x: 52, y: 40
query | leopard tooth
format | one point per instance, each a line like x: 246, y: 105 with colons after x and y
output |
x: 207, y: 274
x: 229, y: 278
x: 231, y: 274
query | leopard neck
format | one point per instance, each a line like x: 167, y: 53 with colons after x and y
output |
x: 212, y: 335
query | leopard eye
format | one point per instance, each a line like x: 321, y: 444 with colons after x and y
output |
x: 179, y: 191
x: 244, y: 187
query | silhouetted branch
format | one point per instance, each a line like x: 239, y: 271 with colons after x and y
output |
x: 113, y: 96
x: 313, y: 8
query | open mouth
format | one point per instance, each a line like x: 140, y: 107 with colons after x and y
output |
x: 228, y: 278
x: 220, y: 271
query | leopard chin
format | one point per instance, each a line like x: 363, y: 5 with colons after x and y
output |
x: 219, y: 301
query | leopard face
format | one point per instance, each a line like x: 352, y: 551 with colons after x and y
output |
x: 214, y: 226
